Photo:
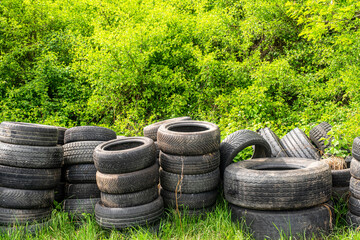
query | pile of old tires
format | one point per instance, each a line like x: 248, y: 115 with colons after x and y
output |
x: 353, y: 215
x: 189, y: 159
x: 280, y: 196
x: 127, y: 176
x: 81, y: 191
x: 30, y: 164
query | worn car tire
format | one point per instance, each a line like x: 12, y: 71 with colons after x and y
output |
x: 151, y: 130
x: 80, y: 152
x: 238, y: 141
x: 355, y: 168
x: 189, y: 183
x: 296, y: 223
x: 125, y: 155
x: 189, y: 138
x: 120, y: 218
x: 82, y: 190
x: 298, y: 145
x: 29, y: 178
x: 355, y: 187
x: 318, y: 132
x: 356, y: 148
x: 128, y: 182
x: 354, y: 205
x: 341, y: 178
x: 25, y: 199
x: 30, y: 156
x: 77, y: 207
x: 10, y: 216
x: 81, y: 173
x: 190, y: 165
x: 28, y: 134
x: 277, y: 183
x: 88, y: 133
x: 277, y: 149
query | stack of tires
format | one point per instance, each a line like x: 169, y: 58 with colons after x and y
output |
x: 29, y: 171
x: 60, y: 188
x: 128, y: 177
x: 277, y: 196
x: 81, y: 191
x: 354, y: 200
x: 189, y: 158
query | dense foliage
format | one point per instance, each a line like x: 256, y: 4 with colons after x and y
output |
x: 125, y: 64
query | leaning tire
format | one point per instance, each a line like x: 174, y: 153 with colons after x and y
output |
x: 28, y: 134
x: 25, y: 199
x: 277, y: 150
x: 120, y: 218
x: 318, y: 132
x: 20, y: 216
x: 81, y: 173
x: 29, y: 178
x: 30, y: 156
x: 190, y: 165
x: 190, y: 183
x: 269, y: 224
x: 189, y: 138
x: 298, y: 145
x: 262, y: 184
x: 238, y: 141
x: 125, y: 155
x: 151, y: 130
x: 88, y: 133
x: 79, y: 152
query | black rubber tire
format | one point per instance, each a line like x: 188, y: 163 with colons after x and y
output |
x: 151, y: 130
x: 190, y: 165
x: 88, y: 133
x: 32, y: 228
x: 238, y: 141
x: 77, y: 207
x: 29, y: 178
x: 353, y: 220
x: 59, y: 195
x: 267, y: 184
x: 30, y: 156
x: 190, y: 183
x: 25, y: 199
x: 28, y: 134
x: 81, y: 191
x: 61, y: 134
x: 120, y: 218
x: 125, y: 155
x: 340, y: 193
x: 80, y: 152
x: 130, y: 199
x: 189, y: 201
x: 189, y: 138
x: 356, y: 148
x: 341, y: 178
x: 81, y: 173
x: 20, y: 216
x: 277, y: 150
x: 157, y: 150
x: 296, y: 223
x: 355, y: 168
x: 318, y: 132
x: 355, y: 187
x: 128, y: 182
x: 298, y: 145
x: 354, y: 205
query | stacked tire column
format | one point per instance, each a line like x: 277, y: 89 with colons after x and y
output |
x: 189, y: 158
x: 81, y: 191
x: 128, y: 177
x: 29, y: 171
x: 353, y: 215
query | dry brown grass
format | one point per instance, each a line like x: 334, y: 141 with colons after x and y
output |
x: 335, y: 163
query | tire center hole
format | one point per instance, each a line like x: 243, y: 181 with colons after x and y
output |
x: 123, y: 146
x: 188, y: 128
x: 245, y: 154
x: 276, y: 167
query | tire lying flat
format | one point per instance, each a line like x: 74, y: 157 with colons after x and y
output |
x: 21, y: 216
x: 79, y: 152
x: 77, y: 207
x: 25, y: 199
x: 82, y: 191
x: 81, y: 173
x: 88, y: 133
x: 151, y: 130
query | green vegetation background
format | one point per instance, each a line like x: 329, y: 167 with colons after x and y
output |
x: 126, y: 64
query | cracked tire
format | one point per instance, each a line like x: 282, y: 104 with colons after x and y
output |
x: 189, y: 138
x: 151, y: 130
x: 80, y: 152
x: 277, y: 150
x: 88, y: 133
x: 318, y: 132
x: 25, y: 199
x: 277, y: 183
x: 81, y: 173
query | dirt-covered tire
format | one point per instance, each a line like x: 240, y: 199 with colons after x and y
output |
x: 88, y: 133
x: 151, y: 130
x: 189, y: 201
x: 30, y: 156
x: 125, y: 155
x: 80, y: 152
x: 130, y: 199
x: 61, y: 134
x: 78, y: 206
x: 20, y: 216
x: 318, y: 132
x: 29, y: 178
x: 341, y: 178
x: 82, y: 190
x: 277, y: 183
x: 28, y: 134
x: 189, y: 183
x: 355, y: 187
x: 298, y: 145
x: 120, y: 218
x: 81, y: 173
x: 25, y: 199
x: 190, y: 165
x: 355, y: 168
x: 277, y: 150
x: 238, y: 141
x: 296, y: 223
x: 356, y: 148
x: 128, y: 182
x: 189, y: 138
